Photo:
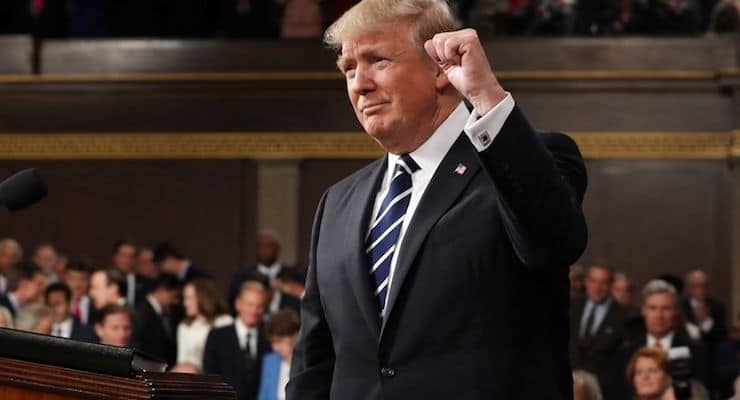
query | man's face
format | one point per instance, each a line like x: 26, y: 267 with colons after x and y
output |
x: 267, y: 250
x: 622, y: 291
x: 598, y: 284
x: 78, y: 282
x: 145, y: 264
x: 171, y: 265
x: 696, y: 286
x: 125, y: 258
x: 659, y: 311
x: 392, y: 85
x: 46, y: 258
x: 59, y: 305
x: 8, y: 257
x: 251, y: 306
x: 115, y: 330
x: 34, y: 288
x: 99, y: 291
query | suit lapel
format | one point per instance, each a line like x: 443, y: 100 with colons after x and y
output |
x: 452, y: 176
x: 358, y: 271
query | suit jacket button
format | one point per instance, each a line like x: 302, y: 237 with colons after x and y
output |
x: 386, y: 372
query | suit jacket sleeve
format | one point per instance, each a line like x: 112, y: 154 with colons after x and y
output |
x: 210, y: 355
x: 541, y: 179
x: 312, y: 364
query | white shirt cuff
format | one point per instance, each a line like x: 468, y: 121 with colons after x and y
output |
x: 483, y: 129
x: 706, y: 326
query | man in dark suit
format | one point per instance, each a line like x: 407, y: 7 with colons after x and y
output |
x: 124, y: 258
x: 58, y: 297
x: 155, y: 332
x: 660, y: 310
x: 702, y: 310
x: 596, y: 323
x: 268, y: 270
x: 441, y: 270
x: 26, y: 284
x: 170, y: 259
x: 236, y: 351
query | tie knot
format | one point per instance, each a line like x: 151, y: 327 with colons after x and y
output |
x: 408, y: 164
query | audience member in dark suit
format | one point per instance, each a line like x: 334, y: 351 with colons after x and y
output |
x: 268, y: 269
x: 702, y: 310
x: 596, y: 323
x: 26, y: 284
x: 58, y: 297
x: 660, y: 308
x: 155, y: 332
x: 108, y: 286
x: 171, y: 259
x: 236, y: 351
x: 77, y: 278
x: 622, y: 293
x: 124, y: 258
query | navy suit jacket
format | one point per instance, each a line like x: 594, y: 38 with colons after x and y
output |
x: 82, y: 332
x: 223, y: 356
x: 479, y: 304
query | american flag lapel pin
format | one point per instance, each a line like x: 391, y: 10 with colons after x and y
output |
x: 460, y: 169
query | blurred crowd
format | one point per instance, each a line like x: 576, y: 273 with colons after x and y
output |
x: 672, y: 339
x: 306, y: 19
x: 669, y: 341
x: 157, y: 300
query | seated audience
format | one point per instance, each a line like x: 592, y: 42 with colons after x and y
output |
x: 647, y: 372
x: 34, y: 317
x: 154, y: 329
x: 596, y: 323
x: 660, y: 308
x: 26, y: 285
x: 108, y: 286
x: 58, y: 297
x: 282, y: 330
x: 236, y: 351
x: 204, y: 309
x: 585, y: 386
x: 113, y: 326
x: 10, y: 254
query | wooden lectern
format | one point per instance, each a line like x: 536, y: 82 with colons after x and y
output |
x: 22, y: 380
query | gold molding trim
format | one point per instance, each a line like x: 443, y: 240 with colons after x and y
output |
x: 341, y: 145
x: 645, y: 75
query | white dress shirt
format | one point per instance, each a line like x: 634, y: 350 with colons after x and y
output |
x: 665, y: 342
x: 481, y: 132
x: 62, y: 329
x: 271, y: 271
x: 131, y: 288
x: 241, y: 334
x: 283, y: 379
x: 191, y: 339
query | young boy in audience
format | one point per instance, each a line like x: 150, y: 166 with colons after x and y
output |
x: 282, y: 331
x: 114, y: 325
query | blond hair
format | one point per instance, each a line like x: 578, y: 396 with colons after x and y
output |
x: 427, y: 18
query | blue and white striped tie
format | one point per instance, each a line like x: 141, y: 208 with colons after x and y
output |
x: 384, y: 232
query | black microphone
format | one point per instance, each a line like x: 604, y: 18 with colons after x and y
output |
x: 22, y: 189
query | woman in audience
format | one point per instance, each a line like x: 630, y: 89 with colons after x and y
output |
x: 648, y: 373
x: 204, y: 309
x: 282, y: 330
